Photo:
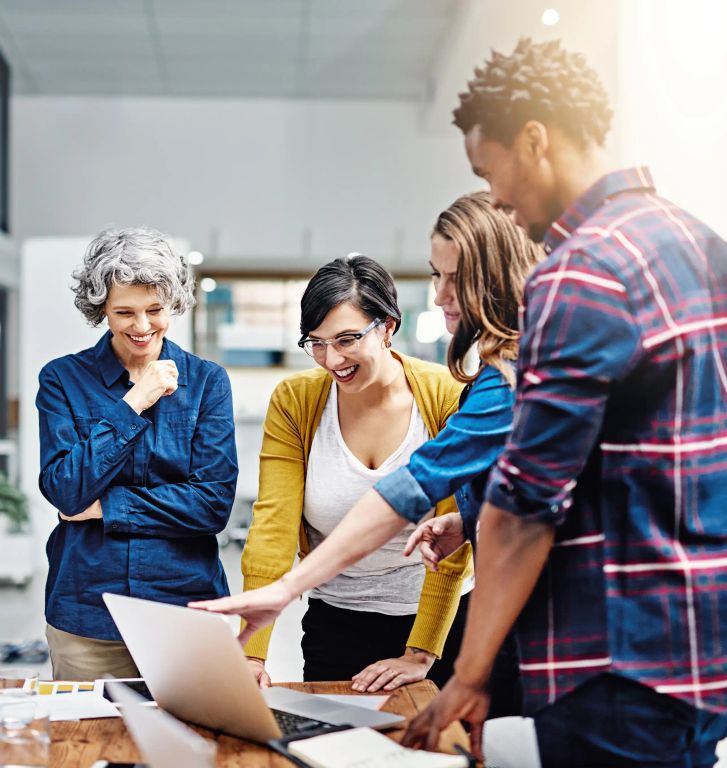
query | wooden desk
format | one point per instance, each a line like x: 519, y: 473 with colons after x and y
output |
x: 79, y: 744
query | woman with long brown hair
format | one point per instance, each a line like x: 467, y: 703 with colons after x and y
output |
x: 480, y: 260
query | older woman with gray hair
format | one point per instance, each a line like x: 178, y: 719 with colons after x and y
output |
x: 137, y: 455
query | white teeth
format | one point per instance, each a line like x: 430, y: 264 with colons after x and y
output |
x: 345, y: 372
x: 141, y: 338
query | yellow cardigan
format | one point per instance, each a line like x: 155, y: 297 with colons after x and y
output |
x: 277, y: 530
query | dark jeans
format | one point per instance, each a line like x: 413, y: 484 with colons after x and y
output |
x: 338, y: 643
x: 611, y: 721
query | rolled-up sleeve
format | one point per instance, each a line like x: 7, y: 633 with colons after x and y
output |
x: 466, y: 448
x: 579, y: 337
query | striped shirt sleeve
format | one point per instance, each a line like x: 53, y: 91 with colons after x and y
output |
x: 579, y: 336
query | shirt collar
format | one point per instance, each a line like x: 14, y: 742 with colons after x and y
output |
x: 111, y: 369
x: 629, y: 180
x: 108, y: 364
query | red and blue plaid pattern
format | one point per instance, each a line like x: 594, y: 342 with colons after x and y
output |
x: 620, y: 439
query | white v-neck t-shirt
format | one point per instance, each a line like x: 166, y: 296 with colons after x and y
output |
x: 384, y: 581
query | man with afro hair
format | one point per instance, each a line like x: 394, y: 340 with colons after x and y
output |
x: 603, y: 535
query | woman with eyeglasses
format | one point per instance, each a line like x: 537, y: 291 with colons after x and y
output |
x: 480, y: 260
x: 329, y: 435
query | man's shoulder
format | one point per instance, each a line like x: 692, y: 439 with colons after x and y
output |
x: 637, y: 221
x: 628, y: 228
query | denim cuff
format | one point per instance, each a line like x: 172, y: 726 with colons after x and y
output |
x: 126, y: 421
x: 114, y: 504
x: 401, y: 490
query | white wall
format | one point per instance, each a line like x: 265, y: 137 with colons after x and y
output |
x: 51, y: 326
x: 672, y: 109
x: 271, y: 181
x: 260, y: 178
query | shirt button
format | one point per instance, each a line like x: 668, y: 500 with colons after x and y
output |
x: 133, y: 426
x: 553, y: 508
x: 114, y: 525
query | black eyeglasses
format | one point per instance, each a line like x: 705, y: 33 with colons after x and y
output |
x: 346, y: 342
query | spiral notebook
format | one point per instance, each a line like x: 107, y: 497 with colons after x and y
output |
x: 366, y: 748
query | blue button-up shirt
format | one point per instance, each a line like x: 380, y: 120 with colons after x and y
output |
x: 458, y: 460
x: 620, y: 440
x: 165, y: 479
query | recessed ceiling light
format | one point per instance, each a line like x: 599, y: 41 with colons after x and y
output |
x: 550, y: 17
x: 195, y: 257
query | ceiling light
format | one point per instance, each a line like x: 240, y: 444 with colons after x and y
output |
x: 550, y: 17
x: 195, y: 258
x: 208, y: 284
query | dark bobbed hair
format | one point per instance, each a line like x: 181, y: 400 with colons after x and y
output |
x: 495, y: 259
x: 538, y: 81
x: 356, y: 279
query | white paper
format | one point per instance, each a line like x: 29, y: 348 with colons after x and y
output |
x: 511, y: 742
x: 76, y: 706
x: 366, y: 702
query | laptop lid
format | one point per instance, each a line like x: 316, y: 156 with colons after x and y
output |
x: 196, y: 669
x: 194, y: 666
x: 163, y: 741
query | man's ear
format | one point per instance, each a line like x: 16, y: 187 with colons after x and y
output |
x: 534, y: 139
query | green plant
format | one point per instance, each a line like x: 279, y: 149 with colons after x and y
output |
x: 14, y: 505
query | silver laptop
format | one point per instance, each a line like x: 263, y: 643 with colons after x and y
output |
x: 196, y: 669
x: 163, y: 741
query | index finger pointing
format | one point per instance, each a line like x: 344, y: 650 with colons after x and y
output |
x: 476, y: 742
x: 413, y: 541
x: 415, y: 733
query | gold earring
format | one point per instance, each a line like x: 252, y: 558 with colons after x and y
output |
x: 387, y: 344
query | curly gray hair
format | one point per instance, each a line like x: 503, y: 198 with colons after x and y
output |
x: 138, y: 256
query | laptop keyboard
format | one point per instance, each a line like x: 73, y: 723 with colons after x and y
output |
x: 290, y: 723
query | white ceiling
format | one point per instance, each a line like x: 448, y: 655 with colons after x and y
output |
x: 225, y: 48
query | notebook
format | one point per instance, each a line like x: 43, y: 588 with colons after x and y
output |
x: 366, y: 748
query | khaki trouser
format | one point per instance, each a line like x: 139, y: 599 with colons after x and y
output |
x: 83, y: 658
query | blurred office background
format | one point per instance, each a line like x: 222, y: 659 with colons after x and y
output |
x: 268, y: 137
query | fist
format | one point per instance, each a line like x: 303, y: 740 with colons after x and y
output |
x: 158, y: 380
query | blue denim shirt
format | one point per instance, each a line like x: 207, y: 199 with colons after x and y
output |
x: 166, y: 481
x: 458, y: 460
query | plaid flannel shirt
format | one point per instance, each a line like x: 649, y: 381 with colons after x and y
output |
x: 620, y: 440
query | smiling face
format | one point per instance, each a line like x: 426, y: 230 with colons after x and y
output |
x: 137, y: 321
x: 353, y: 369
x: 519, y: 176
x: 444, y: 262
